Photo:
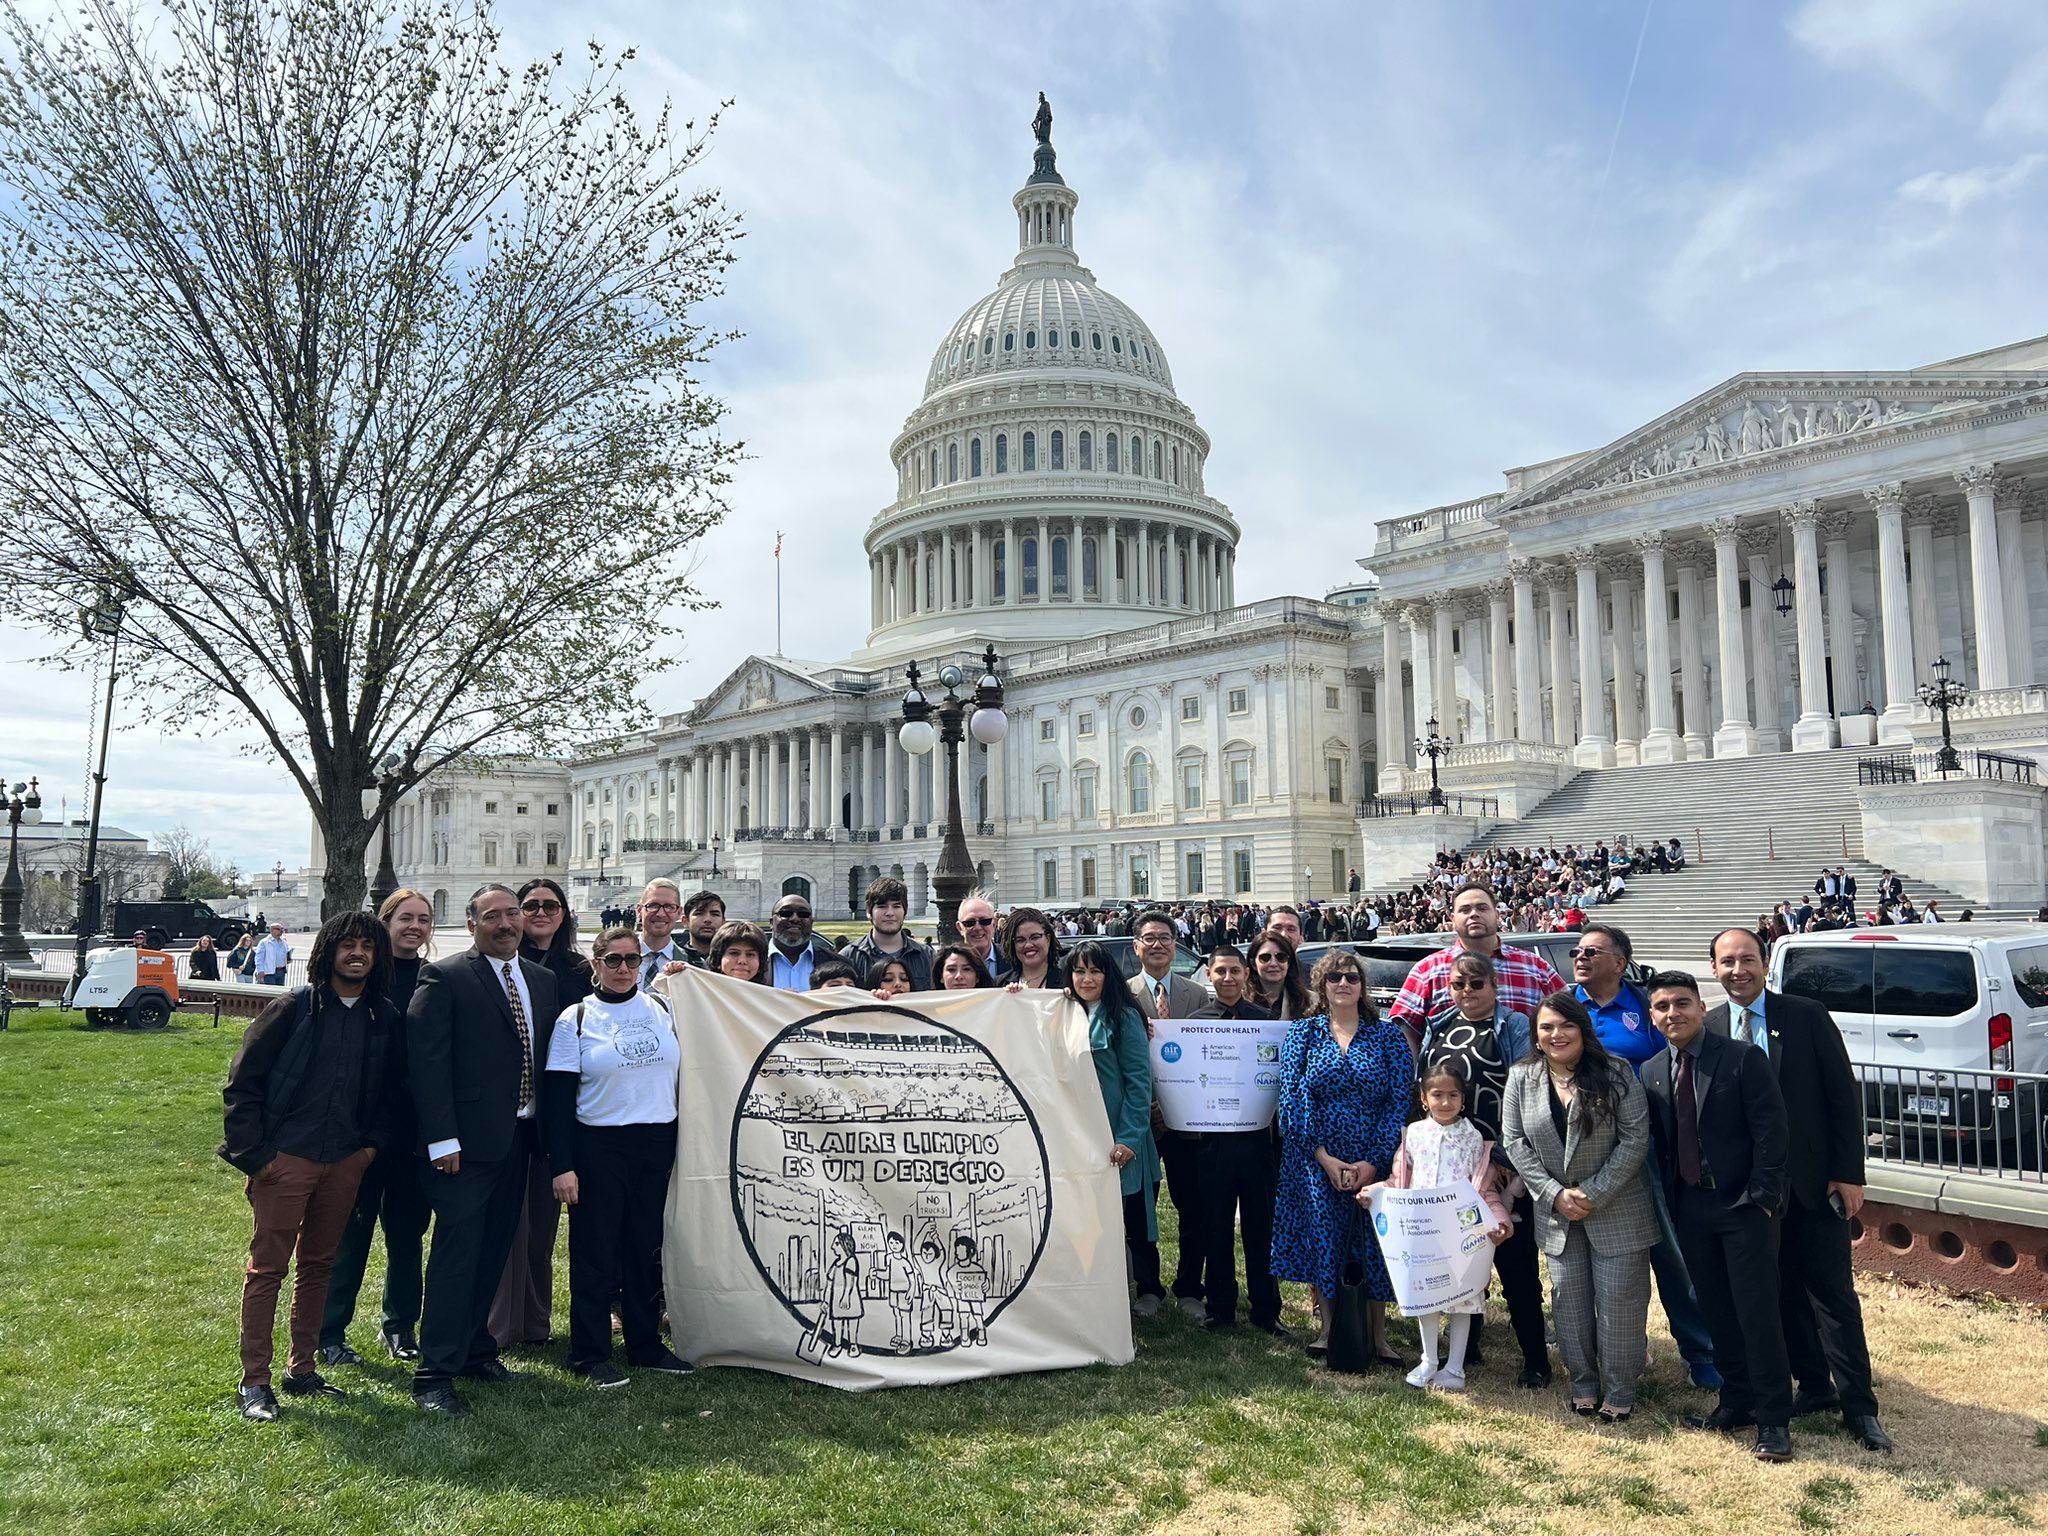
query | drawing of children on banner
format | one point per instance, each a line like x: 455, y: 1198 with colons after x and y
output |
x: 938, y: 1307
x: 970, y: 1283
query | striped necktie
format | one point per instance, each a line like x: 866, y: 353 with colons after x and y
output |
x: 525, y: 1037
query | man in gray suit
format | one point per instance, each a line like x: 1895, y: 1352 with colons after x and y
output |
x: 1162, y: 995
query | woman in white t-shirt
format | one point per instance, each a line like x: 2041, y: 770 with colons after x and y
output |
x: 609, y: 1097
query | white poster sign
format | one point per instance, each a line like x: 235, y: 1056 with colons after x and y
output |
x: 1217, y: 1075
x: 874, y: 1194
x: 1435, y: 1242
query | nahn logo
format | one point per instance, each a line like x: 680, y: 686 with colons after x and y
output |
x: 1170, y: 1051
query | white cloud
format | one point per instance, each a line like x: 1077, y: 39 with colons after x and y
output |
x: 1957, y: 190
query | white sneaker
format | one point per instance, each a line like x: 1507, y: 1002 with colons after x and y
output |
x: 1422, y: 1375
x: 1448, y: 1381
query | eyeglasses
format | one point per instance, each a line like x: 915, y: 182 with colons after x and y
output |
x: 1583, y: 953
x: 540, y: 908
x: 789, y: 912
x: 1349, y: 978
x: 620, y: 959
x: 660, y: 906
x: 977, y: 922
x: 1468, y: 986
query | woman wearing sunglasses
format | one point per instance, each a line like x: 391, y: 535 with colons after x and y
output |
x: 1276, y: 983
x: 523, y: 1310
x: 1345, y: 1076
x: 609, y: 1098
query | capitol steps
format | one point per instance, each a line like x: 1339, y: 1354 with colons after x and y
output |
x: 1756, y: 831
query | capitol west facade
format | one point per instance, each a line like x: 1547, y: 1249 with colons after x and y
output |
x: 1167, y: 741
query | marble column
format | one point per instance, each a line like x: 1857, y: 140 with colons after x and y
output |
x: 1924, y: 517
x: 1623, y: 574
x: 997, y: 809
x: 1528, y: 654
x: 892, y: 779
x: 1443, y: 692
x: 1889, y: 503
x: 1814, y: 730
x: 1500, y: 705
x: 1142, y: 593
x: 793, y: 788
x: 864, y: 797
x: 1834, y: 527
x: 2006, y: 494
x: 1661, y: 743
x: 1558, y: 592
x: 948, y: 599
x: 1692, y: 671
x: 1760, y: 549
x: 1596, y: 747
x: 1424, y: 674
x: 1045, y: 559
x: 835, y: 785
x: 687, y: 770
x: 730, y: 770
x: 1987, y: 581
x: 1391, y: 708
x: 814, y: 740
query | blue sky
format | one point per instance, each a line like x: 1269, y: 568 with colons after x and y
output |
x: 1390, y: 250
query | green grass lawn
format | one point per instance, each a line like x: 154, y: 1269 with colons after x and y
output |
x: 120, y: 1262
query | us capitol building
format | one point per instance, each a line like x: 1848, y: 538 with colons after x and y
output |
x: 1772, y: 566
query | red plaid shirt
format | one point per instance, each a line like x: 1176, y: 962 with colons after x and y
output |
x: 1522, y: 979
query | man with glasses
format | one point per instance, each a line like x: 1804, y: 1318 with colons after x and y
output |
x: 1621, y: 1020
x: 888, y: 904
x: 1160, y: 994
x: 1522, y: 978
x: 703, y: 916
x: 1238, y: 1175
x: 977, y: 921
x: 660, y: 905
x: 795, y: 949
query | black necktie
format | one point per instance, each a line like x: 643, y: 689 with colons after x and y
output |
x: 1688, y: 1119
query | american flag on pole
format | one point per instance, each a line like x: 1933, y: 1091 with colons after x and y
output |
x: 778, y: 543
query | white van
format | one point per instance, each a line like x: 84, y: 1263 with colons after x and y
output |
x: 1930, y: 1012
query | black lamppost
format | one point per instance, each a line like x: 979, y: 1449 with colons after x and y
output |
x: 1435, y: 747
x: 23, y: 804
x: 982, y: 716
x: 383, y: 795
x: 102, y: 621
x: 604, y: 851
x: 277, y: 876
x: 1944, y: 694
x: 1781, y: 592
x: 716, y: 840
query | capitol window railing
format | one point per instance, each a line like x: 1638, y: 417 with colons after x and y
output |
x: 1380, y: 806
x: 1922, y: 765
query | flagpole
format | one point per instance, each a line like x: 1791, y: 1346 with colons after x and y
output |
x: 778, y: 591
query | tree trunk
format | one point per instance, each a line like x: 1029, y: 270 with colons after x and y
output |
x: 346, y: 833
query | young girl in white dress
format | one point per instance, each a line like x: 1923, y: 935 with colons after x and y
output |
x: 1442, y: 1148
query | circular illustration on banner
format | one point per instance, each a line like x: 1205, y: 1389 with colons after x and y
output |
x: 889, y: 1182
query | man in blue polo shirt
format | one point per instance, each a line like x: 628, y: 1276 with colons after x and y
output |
x: 1621, y: 1020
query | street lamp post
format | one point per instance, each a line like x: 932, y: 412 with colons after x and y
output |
x: 1436, y: 747
x: 102, y: 621
x: 716, y: 840
x: 982, y: 716
x: 604, y: 851
x: 277, y: 879
x: 1944, y: 694
x: 386, y: 880
x: 23, y: 804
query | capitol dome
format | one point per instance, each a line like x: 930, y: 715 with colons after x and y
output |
x: 1050, y: 481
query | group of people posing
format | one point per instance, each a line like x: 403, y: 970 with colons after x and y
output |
x: 1626, y: 1132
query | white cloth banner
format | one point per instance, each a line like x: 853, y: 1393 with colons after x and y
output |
x: 1217, y: 1075
x: 1435, y: 1242
x: 873, y: 1194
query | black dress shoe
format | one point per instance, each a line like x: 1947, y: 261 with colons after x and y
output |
x: 1814, y: 1402
x: 1864, y: 1427
x: 256, y: 1403
x: 1773, y: 1443
x: 339, y: 1354
x: 667, y: 1361
x: 1721, y: 1420
x: 312, y: 1384
x: 1219, y: 1325
x: 489, y: 1370
x: 401, y: 1343
x: 601, y: 1373
x: 1534, y: 1377
x: 442, y: 1400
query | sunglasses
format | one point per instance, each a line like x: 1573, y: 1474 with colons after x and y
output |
x: 977, y: 922
x: 540, y: 908
x: 1582, y: 953
x: 618, y: 959
x: 1470, y: 986
x: 793, y: 912
x: 1349, y: 978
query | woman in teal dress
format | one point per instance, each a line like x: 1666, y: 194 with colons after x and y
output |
x: 1346, y: 1077
x: 1123, y: 1065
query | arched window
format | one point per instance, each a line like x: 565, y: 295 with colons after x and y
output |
x: 1140, y: 785
x: 1095, y: 340
x: 935, y: 467
x: 1002, y: 453
x: 1090, y: 578
x: 1116, y: 345
x: 952, y: 462
x: 1087, y: 447
x: 1176, y: 463
x: 1059, y: 568
x: 1074, y: 340
x: 797, y: 885
x: 988, y: 345
x: 1030, y: 452
x: 1137, y: 459
x: 1001, y: 575
x: 1031, y: 568
x: 1030, y: 340
x: 1158, y: 463
x: 1059, y: 450
x: 974, y: 459
x: 1052, y: 336
x: 1009, y: 341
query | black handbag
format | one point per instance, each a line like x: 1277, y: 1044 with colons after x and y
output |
x: 1350, y: 1336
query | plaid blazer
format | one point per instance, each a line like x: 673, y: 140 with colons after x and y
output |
x: 1604, y: 1159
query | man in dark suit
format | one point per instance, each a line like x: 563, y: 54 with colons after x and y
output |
x: 1161, y: 994
x: 1823, y: 1320
x: 1719, y: 1129
x: 477, y: 1026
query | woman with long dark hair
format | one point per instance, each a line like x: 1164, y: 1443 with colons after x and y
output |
x: 740, y: 950
x: 1031, y: 948
x: 957, y: 968
x: 1277, y: 983
x: 1123, y: 1067
x: 1576, y: 1126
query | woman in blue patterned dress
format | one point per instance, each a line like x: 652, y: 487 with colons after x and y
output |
x: 1344, y: 1085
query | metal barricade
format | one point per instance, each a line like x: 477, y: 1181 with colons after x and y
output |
x: 1980, y: 1122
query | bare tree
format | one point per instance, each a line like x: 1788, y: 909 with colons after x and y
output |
x: 190, y: 867
x: 357, y: 361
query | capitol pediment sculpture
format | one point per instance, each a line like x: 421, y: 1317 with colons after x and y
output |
x: 1756, y: 419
